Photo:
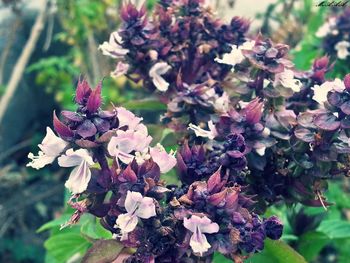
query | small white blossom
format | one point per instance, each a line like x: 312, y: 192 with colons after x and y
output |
x: 113, y: 47
x: 287, y: 80
x: 327, y: 28
x: 261, y: 151
x: 222, y: 103
x: 199, y: 225
x: 122, y: 145
x: 211, y: 134
x: 164, y: 160
x: 320, y: 92
x: 342, y: 49
x: 236, y: 56
x: 80, y: 176
x: 156, y: 73
x: 136, y: 207
x: 51, y: 147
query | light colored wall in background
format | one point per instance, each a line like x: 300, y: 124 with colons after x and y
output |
x: 245, y: 8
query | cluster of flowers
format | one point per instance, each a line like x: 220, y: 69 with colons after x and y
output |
x: 117, y: 177
x: 335, y: 35
x: 241, y: 96
x: 256, y: 132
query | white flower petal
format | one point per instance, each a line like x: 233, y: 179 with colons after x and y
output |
x: 211, y: 134
x: 40, y: 160
x: 164, y: 160
x: 79, y: 178
x: 156, y: 73
x: 146, y: 208
x: 75, y: 158
x: 342, y: 48
x: 261, y: 151
x: 126, y: 222
x: 113, y: 48
x: 132, y: 201
x: 51, y: 147
x: 199, y: 243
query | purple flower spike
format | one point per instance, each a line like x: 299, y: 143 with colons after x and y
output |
x: 95, y: 99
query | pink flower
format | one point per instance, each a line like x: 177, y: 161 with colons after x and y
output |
x: 164, y: 160
x: 136, y: 207
x: 127, y: 118
x: 199, y: 225
x: 51, y: 147
x: 128, y: 141
x: 80, y: 176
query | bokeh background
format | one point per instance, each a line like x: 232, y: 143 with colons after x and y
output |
x: 45, y: 46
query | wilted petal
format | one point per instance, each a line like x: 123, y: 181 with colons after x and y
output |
x: 164, y: 160
x: 156, y: 73
x: 120, y: 70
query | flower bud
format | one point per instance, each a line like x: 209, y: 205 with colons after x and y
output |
x: 273, y: 227
x: 61, y: 128
x: 253, y: 111
x: 347, y: 82
x: 83, y: 91
x: 95, y: 100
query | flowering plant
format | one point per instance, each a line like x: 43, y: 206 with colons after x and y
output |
x: 256, y: 132
x: 117, y: 177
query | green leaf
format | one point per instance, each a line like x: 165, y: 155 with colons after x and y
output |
x: 311, y: 243
x: 219, y: 258
x: 282, y: 252
x: 103, y: 251
x: 62, y: 247
x: 93, y: 229
x: 149, y: 104
x: 54, y: 223
x: 335, y: 229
